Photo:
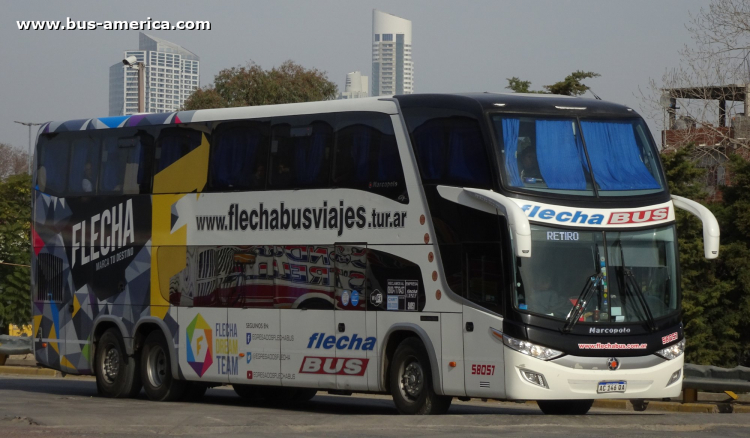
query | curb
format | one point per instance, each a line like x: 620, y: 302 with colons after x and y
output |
x: 614, y: 404
x: 29, y: 371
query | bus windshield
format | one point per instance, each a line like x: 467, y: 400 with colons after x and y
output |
x: 631, y: 270
x: 577, y: 156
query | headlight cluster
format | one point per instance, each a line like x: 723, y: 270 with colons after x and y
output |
x: 530, y: 349
x: 673, y: 351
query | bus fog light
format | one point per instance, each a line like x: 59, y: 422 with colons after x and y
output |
x: 673, y: 351
x: 534, y: 378
x: 675, y: 376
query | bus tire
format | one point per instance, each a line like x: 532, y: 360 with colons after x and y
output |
x: 565, y: 407
x: 117, y: 374
x: 156, y: 370
x: 305, y: 394
x: 411, y: 381
x: 247, y: 392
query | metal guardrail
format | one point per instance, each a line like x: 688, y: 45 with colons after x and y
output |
x: 15, y: 345
x: 716, y: 379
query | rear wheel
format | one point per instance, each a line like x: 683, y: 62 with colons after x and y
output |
x: 117, y: 374
x: 411, y: 381
x: 248, y: 392
x: 565, y: 407
x: 156, y: 370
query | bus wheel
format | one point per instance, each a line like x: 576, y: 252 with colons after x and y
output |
x: 565, y: 407
x: 116, y: 373
x: 411, y: 381
x: 156, y: 370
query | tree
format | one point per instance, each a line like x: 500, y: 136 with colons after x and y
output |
x: 251, y: 85
x: 12, y: 161
x: 570, y: 86
x: 15, y: 228
x: 715, y: 68
x: 715, y: 293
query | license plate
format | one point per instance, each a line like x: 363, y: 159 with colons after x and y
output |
x: 605, y: 387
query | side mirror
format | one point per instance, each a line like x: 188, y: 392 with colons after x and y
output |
x: 711, y: 232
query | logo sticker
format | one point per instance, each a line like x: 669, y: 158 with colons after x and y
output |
x: 355, y: 298
x: 199, y: 345
x: 613, y: 363
x: 392, y: 302
x: 249, y: 356
x: 334, y: 365
x: 376, y: 298
x: 669, y: 338
x: 345, y: 298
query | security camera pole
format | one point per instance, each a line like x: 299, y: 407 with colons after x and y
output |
x: 132, y: 62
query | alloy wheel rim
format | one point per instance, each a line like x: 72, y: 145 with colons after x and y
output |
x: 111, y: 363
x: 412, y: 379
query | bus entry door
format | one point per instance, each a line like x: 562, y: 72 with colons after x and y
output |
x: 483, y: 354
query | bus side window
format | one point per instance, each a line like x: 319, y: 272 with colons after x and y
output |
x: 84, y: 166
x: 121, y: 168
x: 239, y: 157
x: 300, y: 152
x: 450, y: 150
x: 366, y: 156
x: 485, y: 275
x: 173, y: 144
x: 52, y: 172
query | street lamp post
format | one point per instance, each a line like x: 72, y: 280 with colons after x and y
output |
x: 29, y: 124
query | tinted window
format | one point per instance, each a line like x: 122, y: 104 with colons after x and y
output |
x: 121, y: 170
x: 239, y: 156
x: 175, y: 143
x: 367, y: 156
x: 484, y: 275
x: 450, y: 148
x: 84, y: 165
x: 52, y: 172
x: 300, y: 152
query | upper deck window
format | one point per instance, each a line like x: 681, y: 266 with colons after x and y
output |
x: 552, y: 155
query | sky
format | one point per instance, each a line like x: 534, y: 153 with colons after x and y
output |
x: 458, y: 46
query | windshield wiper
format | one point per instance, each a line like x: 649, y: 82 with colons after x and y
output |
x: 632, y: 285
x: 591, y: 284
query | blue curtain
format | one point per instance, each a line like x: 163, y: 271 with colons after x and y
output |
x: 467, y: 160
x: 510, y: 143
x: 389, y: 164
x: 615, y: 157
x: 429, y: 145
x: 235, y: 156
x: 56, y: 165
x: 360, y: 153
x: 558, y: 155
x: 112, y: 169
x: 309, y: 155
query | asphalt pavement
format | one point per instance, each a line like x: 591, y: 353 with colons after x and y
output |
x: 63, y: 407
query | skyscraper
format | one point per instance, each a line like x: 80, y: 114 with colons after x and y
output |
x: 356, y: 86
x: 172, y: 74
x: 392, y: 67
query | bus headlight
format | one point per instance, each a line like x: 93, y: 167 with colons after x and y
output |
x: 530, y: 349
x: 673, y: 351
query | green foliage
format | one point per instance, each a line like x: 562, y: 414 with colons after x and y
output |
x: 570, y: 86
x: 251, y: 85
x: 15, y: 228
x: 716, y: 293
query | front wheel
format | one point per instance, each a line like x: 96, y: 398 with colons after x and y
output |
x: 156, y: 370
x: 411, y: 381
x: 565, y: 407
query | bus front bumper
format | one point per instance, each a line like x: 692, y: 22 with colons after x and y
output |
x: 564, y: 382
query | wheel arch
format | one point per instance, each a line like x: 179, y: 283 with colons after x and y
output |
x: 396, y: 334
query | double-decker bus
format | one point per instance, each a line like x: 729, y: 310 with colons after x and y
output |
x: 500, y: 246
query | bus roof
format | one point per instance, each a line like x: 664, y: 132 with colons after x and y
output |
x: 472, y: 102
